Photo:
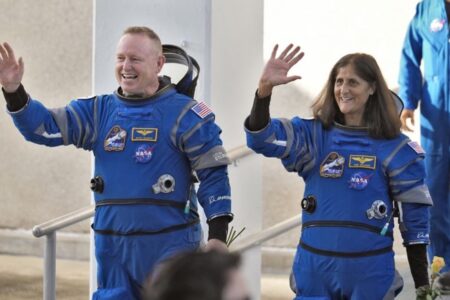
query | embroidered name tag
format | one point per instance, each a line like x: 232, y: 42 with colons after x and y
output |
x: 362, y: 161
x: 144, y: 134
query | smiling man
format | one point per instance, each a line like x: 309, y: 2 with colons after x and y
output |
x: 139, y: 60
x: 151, y: 144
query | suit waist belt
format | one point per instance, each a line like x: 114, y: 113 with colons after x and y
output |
x: 346, y: 224
x: 146, y: 201
x: 345, y: 254
x: 143, y: 201
x: 146, y: 232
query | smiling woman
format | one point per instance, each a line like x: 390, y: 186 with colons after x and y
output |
x: 359, y: 172
x: 351, y: 93
x: 356, y: 94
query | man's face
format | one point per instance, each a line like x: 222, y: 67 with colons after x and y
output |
x: 138, y: 63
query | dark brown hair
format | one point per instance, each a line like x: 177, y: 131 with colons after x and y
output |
x: 380, y: 113
x: 191, y: 276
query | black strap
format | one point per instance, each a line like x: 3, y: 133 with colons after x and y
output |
x: 146, y: 232
x: 143, y: 201
x: 188, y: 83
x: 345, y: 254
x: 347, y: 224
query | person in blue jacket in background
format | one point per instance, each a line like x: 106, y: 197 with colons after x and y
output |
x: 427, y: 42
x: 149, y: 143
x: 359, y: 171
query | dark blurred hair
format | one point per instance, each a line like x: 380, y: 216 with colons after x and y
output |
x: 191, y: 276
x: 380, y: 114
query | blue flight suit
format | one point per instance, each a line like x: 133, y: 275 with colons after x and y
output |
x: 345, y: 249
x: 145, y: 153
x: 427, y: 40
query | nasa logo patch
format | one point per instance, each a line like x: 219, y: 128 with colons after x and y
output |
x: 359, y: 181
x: 143, y: 154
x: 437, y: 25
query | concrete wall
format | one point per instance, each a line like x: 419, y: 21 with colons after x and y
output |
x: 54, y: 38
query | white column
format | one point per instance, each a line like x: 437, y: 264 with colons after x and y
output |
x: 236, y: 61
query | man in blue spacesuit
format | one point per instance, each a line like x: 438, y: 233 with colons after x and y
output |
x: 427, y: 41
x: 151, y: 144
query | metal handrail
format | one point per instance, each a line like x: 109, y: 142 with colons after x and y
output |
x: 239, y: 152
x: 63, y: 221
x: 50, y: 227
x: 258, y: 238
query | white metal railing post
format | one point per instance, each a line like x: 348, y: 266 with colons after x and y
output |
x: 48, y: 229
x: 50, y: 267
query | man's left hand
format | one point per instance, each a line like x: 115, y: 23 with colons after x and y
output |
x: 216, y: 245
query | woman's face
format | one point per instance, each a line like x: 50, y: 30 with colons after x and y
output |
x: 351, y: 93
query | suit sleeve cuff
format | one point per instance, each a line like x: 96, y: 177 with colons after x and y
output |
x: 15, y: 101
x: 218, y: 228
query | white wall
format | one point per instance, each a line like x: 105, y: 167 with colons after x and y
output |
x: 328, y: 29
x: 174, y: 21
x: 236, y: 59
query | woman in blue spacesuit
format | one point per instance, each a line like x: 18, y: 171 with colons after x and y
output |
x: 359, y: 172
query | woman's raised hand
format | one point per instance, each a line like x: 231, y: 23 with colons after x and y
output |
x: 276, y: 69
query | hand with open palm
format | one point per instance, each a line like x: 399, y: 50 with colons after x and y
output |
x: 11, y: 70
x: 276, y: 69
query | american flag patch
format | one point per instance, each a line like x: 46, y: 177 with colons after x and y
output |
x: 201, y: 109
x: 416, y: 147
